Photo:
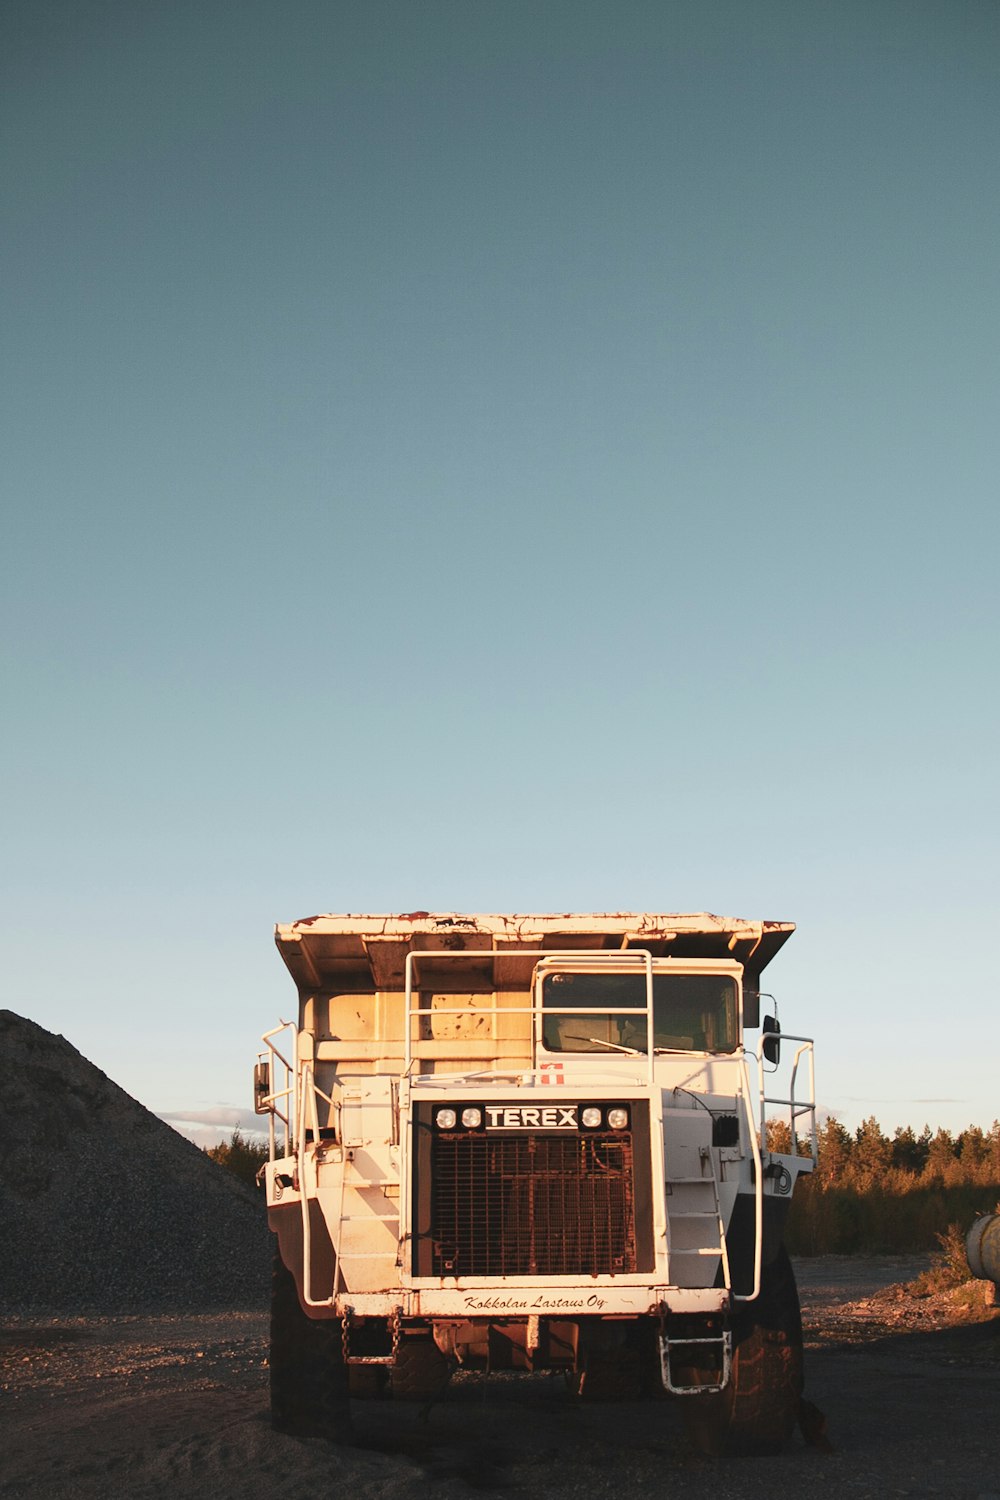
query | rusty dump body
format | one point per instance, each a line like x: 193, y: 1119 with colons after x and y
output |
x: 531, y: 1141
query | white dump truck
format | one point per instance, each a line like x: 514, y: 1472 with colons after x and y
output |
x: 535, y: 1143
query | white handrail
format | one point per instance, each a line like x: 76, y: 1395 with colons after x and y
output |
x: 796, y: 1107
x: 758, y: 1184
x: 288, y: 1093
x: 569, y: 961
x: 309, y: 1090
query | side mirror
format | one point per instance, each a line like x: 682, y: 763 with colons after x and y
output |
x: 771, y: 1045
x: 262, y: 1089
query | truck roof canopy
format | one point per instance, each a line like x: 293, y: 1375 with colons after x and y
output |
x: 364, y: 953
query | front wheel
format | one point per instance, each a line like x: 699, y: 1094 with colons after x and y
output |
x: 309, y: 1389
x: 757, y: 1411
x: 421, y: 1371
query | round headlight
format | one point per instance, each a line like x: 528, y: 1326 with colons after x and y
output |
x: 591, y: 1117
x: 618, y: 1118
x: 445, y: 1119
x: 472, y: 1118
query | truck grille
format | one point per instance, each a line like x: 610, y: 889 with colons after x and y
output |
x: 522, y: 1205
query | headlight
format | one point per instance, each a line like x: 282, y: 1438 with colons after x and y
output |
x: 618, y: 1118
x: 445, y: 1119
x: 591, y: 1117
x: 472, y: 1118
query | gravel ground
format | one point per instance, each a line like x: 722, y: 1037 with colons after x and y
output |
x: 175, y: 1408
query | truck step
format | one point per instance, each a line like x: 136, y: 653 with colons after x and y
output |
x: 722, y: 1342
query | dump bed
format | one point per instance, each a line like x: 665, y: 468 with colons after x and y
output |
x: 361, y: 954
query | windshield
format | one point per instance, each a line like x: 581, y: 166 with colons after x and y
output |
x: 691, y: 1013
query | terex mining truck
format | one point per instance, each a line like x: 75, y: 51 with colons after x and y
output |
x: 535, y: 1143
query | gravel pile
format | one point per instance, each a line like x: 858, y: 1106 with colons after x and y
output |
x: 103, y: 1207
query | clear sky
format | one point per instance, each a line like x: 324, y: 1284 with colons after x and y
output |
x: 501, y: 455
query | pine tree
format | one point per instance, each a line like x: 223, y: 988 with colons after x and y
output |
x: 941, y: 1158
x: 908, y: 1152
x: 872, y: 1151
x: 835, y: 1151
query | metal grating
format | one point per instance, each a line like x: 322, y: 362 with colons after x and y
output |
x: 532, y: 1205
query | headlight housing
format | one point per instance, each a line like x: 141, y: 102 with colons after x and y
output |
x: 618, y: 1118
x: 472, y: 1118
x: 591, y: 1117
x: 445, y: 1119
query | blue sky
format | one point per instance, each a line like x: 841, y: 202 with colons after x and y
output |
x: 501, y: 456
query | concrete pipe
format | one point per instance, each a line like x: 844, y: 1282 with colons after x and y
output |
x: 982, y: 1246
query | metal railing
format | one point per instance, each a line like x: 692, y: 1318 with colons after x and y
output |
x: 796, y: 1107
x: 280, y: 1104
x: 570, y: 961
x: 758, y: 1184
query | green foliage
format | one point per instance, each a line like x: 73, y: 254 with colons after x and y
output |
x: 909, y: 1151
x: 908, y: 1195
x: 240, y: 1156
x: 949, y: 1267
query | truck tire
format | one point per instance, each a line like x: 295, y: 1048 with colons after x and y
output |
x: 758, y: 1410
x: 421, y: 1371
x: 367, y: 1382
x: 309, y: 1391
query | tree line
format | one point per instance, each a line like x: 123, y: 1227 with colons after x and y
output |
x: 240, y: 1155
x: 894, y: 1194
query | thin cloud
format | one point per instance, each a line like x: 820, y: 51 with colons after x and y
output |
x: 214, y: 1123
x: 218, y: 1114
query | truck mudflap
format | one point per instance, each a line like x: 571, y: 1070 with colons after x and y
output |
x: 741, y: 1233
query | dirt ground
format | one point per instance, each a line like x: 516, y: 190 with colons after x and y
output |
x: 174, y: 1406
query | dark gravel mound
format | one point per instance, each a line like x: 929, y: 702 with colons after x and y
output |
x: 104, y: 1208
